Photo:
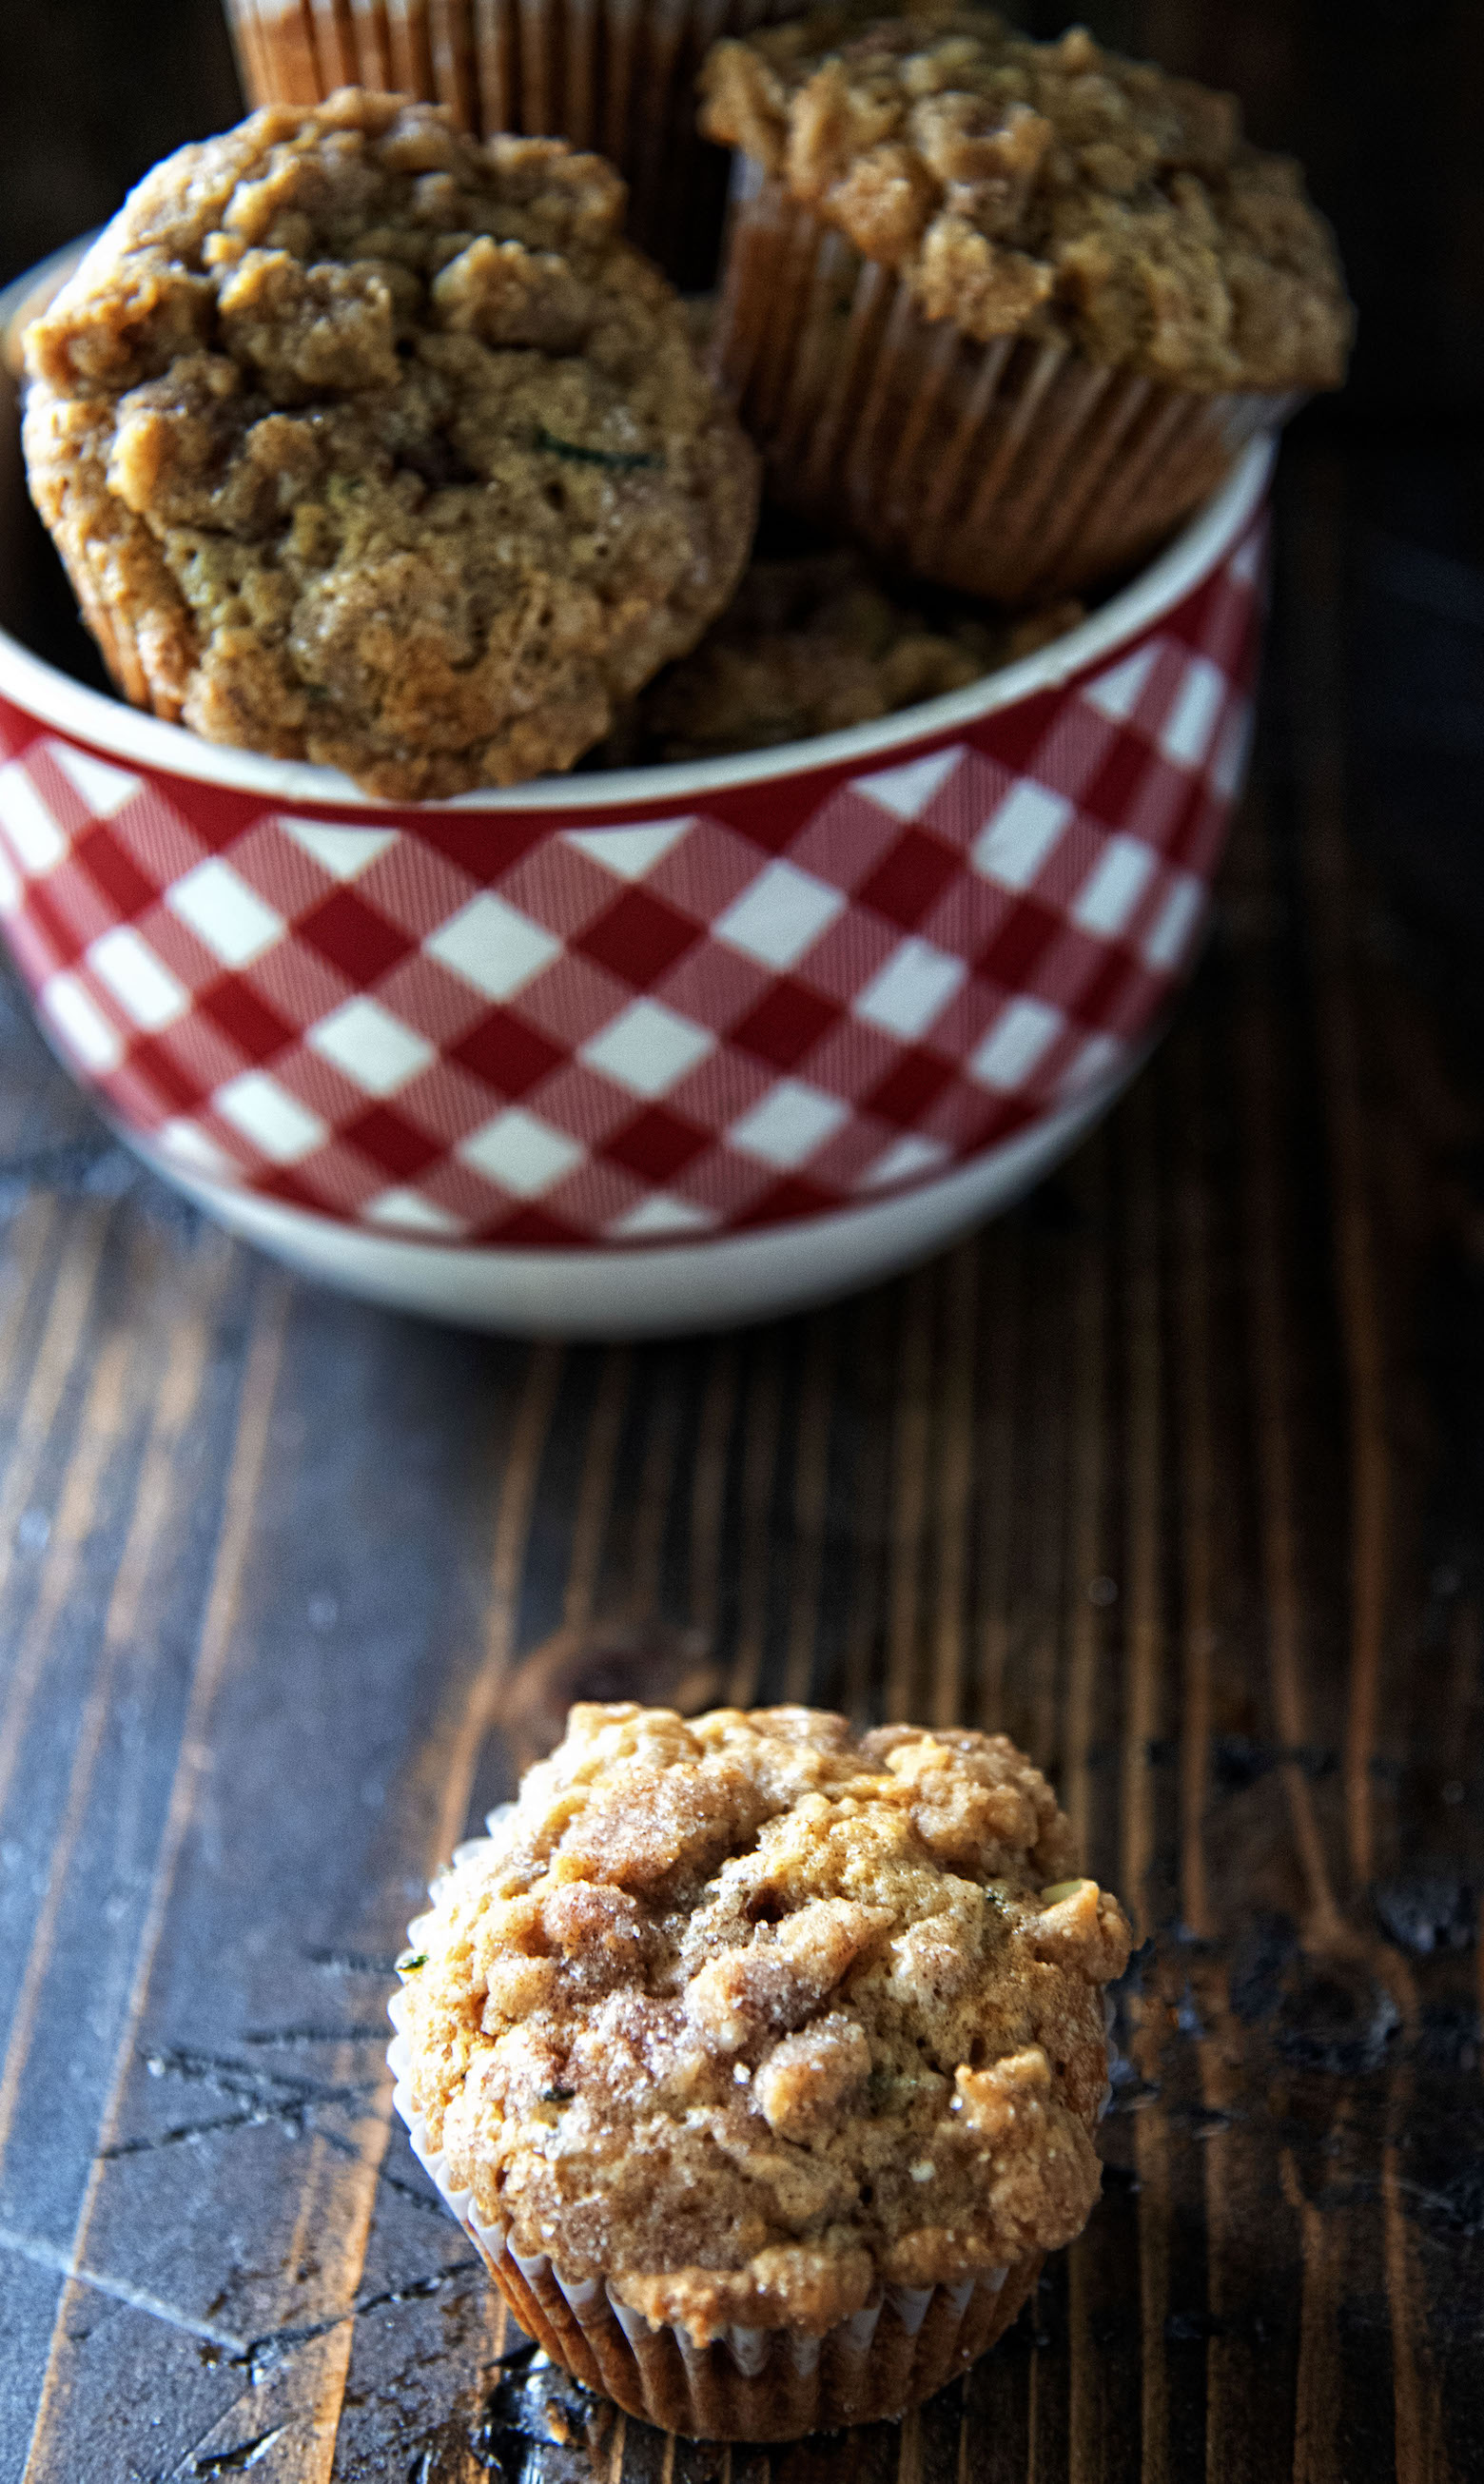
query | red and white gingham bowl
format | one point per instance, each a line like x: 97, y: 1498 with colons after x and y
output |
x: 654, y: 1050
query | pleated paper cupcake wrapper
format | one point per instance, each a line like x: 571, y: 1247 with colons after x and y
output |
x: 750, y: 2384
x: 618, y: 75
x: 1015, y: 471
x: 113, y: 631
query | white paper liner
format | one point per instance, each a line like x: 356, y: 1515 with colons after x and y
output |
x: 750, y: 2384
x: 1014, y: 469
x: 618, y: 75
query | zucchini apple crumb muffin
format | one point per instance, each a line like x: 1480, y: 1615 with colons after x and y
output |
x: 761, y: 2059
x: 813, y: 645
x: 370, y: 443
x: 1065, y: 274
x: 619, y: 74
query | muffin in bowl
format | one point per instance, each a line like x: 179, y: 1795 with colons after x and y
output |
x: 813, y: 645
x: 1005, y: 309
x: 604, y: 73
x: 368, y: 445
x: 761, y: 2057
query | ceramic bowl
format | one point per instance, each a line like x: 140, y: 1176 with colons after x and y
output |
x: 659, y: 1050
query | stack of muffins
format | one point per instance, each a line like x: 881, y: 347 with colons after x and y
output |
x: 371, y: 441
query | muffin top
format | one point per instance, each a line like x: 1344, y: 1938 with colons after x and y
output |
x: 1047, y: 190
x: 812, y: 645
x: 384, y: 448
x: 750, y: 2012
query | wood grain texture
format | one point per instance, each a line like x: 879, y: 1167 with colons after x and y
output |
x: 1176, y: 1474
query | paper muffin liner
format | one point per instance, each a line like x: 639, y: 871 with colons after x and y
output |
x: 749, y: 2384
x: 113, y: 631
x: 1014, y: 471
x: 617, y: 76
x: 105, y: 614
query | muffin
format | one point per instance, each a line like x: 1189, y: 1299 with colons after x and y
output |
x: 615, y: 76
x: 1005, y: 310
x: 368, y: 444
x: 812, y: 645
x: 761, y: 2059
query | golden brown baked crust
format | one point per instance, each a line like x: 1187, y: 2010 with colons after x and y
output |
x: 1050, y: 190
x: 749, y: 2013
x: 384, y: 448
x: 811, y: 646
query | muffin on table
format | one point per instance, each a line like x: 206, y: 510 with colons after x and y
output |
x: 1005, y: 309
x: 760, y: 2058
x: 617, y: 76
x: 368, y: 444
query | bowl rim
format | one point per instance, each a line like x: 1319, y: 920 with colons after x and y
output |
x: 53, y: 697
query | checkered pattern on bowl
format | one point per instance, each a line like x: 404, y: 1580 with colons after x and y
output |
x: 605, y: 1026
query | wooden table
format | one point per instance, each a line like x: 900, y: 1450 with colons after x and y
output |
x: 1177, y: 1473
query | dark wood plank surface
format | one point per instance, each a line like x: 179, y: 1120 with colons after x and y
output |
x: 1177, y: 1473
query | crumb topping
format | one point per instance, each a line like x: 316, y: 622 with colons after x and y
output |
x: 812, y: 645
x: 386, y: 448
x: 1050, y: 190
x: 749, y: 2013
